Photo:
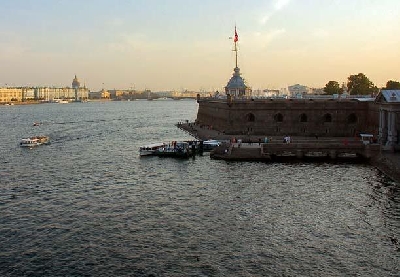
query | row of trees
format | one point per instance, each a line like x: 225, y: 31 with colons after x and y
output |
x: 358, y: 85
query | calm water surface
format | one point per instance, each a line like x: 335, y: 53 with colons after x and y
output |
x: 88, y: 205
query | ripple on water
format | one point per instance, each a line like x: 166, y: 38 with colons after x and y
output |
x: 89, y: 205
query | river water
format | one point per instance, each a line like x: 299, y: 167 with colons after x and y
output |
x: 88, y: 205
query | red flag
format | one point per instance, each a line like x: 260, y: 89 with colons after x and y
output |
x: 236, y: 36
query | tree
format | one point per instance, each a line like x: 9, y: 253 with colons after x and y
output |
x: 332, y: 87
x: 360, y: 85
x: 392, y: 85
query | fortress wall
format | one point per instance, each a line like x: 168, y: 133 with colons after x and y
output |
x: 373, y: 118
x: 295, y: 117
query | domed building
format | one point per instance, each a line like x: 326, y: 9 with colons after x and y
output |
x: 236, y: 86
x: 81, y: 93
x: 75, y: 83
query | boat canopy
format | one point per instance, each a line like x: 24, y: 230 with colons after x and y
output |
x: 366, y: 135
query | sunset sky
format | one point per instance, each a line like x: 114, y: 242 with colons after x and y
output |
x: 184, y: 44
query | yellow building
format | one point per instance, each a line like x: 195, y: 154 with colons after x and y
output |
x: 8, y: 95
x: 103, y: 94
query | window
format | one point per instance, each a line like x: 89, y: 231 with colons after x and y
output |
x: 303, y: 117
x: 278, y: 117
x: 250, y: 117
x: 327, y: 117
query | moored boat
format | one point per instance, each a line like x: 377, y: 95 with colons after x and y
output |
x: 34, y: 141
x: 148, y: 150
x: 210, y: 144
x: 177, y: 149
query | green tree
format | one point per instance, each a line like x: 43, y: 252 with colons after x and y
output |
x: 392, y: 85
x: 332, y: 87
x: 360, y: 85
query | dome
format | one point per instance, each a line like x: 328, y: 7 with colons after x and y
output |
x: 236, y: 84
x: 75, y: 83
x: 236, y: 80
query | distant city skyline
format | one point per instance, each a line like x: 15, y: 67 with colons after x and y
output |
x: 177, y: 45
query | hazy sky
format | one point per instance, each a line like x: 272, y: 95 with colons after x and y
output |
x: 184, y: 44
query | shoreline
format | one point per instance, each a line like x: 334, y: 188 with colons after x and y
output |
x: 386, y: 162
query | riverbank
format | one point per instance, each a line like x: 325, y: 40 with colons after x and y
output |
x: 386, y: 162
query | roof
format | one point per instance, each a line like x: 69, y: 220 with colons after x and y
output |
x: 236, y: 80
x: 391, y: 96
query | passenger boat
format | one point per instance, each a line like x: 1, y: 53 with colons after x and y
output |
x: 34, y: 141
x: 178, y: 149
x: 148, y: 150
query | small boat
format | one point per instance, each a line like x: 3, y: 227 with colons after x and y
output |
x: 148, y: 150
x: 60, y: 101
x: 34, y: 141
x: 177, y: 149
x: 210, y: 144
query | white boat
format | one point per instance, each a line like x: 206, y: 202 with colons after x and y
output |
x: 210, y: 144
x: 34, y: 141
x: 60, y: 101
x: 150, y: 149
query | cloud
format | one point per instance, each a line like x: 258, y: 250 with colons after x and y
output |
x: 277, y: 6
x: 265, y: 18
x: 280, y: 4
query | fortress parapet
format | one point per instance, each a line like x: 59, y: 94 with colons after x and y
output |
x: 294, y: 117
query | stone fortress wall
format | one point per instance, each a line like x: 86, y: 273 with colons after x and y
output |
x: 293, y: 117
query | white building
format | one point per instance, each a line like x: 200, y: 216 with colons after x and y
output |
x: 298, y: 89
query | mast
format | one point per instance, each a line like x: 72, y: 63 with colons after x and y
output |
x: 235, y: 40
x: 236, y: 86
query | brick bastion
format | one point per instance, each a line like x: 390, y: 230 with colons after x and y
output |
x: 293, y: 117
x: 309, y: 123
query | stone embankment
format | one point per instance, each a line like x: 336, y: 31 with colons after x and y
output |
x: 389, y: 164
x: 251, y: 147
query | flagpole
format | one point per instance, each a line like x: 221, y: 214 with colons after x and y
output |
x: 236, y: 53
x: 235, y: 39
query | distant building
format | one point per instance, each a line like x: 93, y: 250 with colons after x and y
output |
x: 298, y: 89
x: 103, y: 94
x: 75, y: 83
x: 316, y: 91
x: 271, y: 92
x: 8, y: 95
x: 22, y: 94
x: 184, y: 94
x: 118, y: 94
x: 51, y: 93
